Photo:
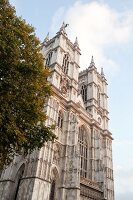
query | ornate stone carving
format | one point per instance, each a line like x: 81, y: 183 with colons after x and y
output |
x: 56, y: 155
x: 64, y: 86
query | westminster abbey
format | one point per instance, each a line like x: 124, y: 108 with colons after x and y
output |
x: 78, y: 164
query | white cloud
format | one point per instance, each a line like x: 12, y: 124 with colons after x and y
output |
x: 57, y: 19
x: 123, y: 169
x: 126, y: 196
x: 99, y: 29
x: 123, y: 181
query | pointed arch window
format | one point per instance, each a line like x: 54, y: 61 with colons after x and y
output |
x: 65, y: 64
x: 49, y: 57
x: 84, y: 92
x: 83, y: 147
x: 98, y: 95
x: 60, y: 119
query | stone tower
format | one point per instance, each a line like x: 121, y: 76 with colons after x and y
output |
x: 78, y: 165
x: 63, y: 59
x: 93, y: 88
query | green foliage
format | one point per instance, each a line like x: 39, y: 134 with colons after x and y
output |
x: 23, y: 88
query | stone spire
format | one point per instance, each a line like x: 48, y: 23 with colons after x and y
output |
x: 76, y: 43
x: 62, y: 26
x: 46, y: 38
x: 102, y: 73
x: 92, y: 64
x: 62, y: 29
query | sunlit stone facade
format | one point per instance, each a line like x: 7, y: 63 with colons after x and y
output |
x: 78, y: 165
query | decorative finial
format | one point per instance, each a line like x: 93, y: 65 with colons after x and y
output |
x: 62, y: 29
x: 102, y: 73
x: 76, y: 43
x: 92, y: 64
x: 92, y: 59
x: 62, y: 26
x: 46, y: 38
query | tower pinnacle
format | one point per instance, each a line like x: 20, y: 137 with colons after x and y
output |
x: 92, y: 64
x: 46, y: 38
x: 62, y: 29
x: 76, y: 43
x: 102, y: 73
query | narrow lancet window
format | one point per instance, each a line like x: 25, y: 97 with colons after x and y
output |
x: 60, y: 120
x: 84, y: 92
x: 98, y: 96
x: 48, y: 60
x: 65, y: 64
x: 82, y: 140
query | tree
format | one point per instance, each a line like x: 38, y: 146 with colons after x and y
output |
x: 24, y: 88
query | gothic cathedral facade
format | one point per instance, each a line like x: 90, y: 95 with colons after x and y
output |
x: 78, y: 165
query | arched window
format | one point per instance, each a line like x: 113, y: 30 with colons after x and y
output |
x: 52, y: 192
x: 83, y: 151
x: 49, y: 57
x: 60, y: 119
x: 84, y: 92
x: 65, y: 64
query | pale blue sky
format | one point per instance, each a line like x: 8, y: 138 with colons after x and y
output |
x: 112, y: 48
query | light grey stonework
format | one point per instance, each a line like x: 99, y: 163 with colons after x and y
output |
x: 78, y: 165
